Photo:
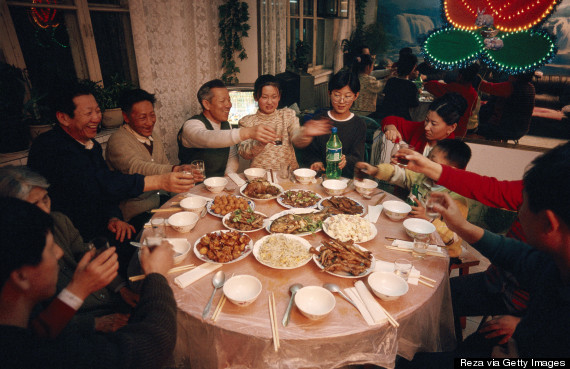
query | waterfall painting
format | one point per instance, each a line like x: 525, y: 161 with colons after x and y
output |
x: 407, y: 23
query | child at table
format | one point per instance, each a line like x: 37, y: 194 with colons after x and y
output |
x: 284, y: 122
x: 454, y: 153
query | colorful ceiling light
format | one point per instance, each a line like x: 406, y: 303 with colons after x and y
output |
x: 44, y: 17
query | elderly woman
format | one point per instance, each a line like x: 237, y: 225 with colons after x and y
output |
x: 86, y: 284
x: 441, y: 121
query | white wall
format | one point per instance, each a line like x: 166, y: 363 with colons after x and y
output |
x: 249, y: 67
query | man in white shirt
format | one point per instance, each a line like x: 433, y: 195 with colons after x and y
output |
x: 209, y: 136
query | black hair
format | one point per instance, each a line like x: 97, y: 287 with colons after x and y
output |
x: 63, y: 99
x: 344, y: 77
x: 546, y: 182
x: 205, y: 91
x: 524, y: 78
x: 456, y: 152
x: 364, y: 47
x: 405, y: 51
x: 24, y: 228
x: 469, y: 73
x: 364, y: 61
x: 450, y: 107
x: 131, y: 97
x: 406, y: 64
x: 265, y: 80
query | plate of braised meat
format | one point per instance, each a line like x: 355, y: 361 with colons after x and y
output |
x: 344, y: 259
x: 341, y: 205
x: 261, y: 189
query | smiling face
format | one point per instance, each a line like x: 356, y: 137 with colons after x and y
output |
x: 435, y: 127
x: 269, y: 99
x: 219, y: 106
x: 141, y: 118
x: 86, y: 118
x: 341, y: 101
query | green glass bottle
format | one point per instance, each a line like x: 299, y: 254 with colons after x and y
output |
x: 415, y: 192
x: 334, y: 153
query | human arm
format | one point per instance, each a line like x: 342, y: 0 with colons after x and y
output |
x: 501, y: 89
x: 397, y: 127
x: 303, y: 136
x: 250, y: 148
x: 436, y: 88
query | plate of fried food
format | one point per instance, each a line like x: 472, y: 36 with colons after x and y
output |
x: 342, y: 205
x: 261, y: 189
x: 282, y: 251
x: 344, y: 259
x: 224, y: 204
x: 344, y: 227
x: 223, y: 247
x: 244, y: 220
x: 299, y: 199
x: 300, y: 222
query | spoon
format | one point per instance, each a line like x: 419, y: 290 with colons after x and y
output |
x: 218, y: 282
x: 293, y: 289
x: 335, y: 288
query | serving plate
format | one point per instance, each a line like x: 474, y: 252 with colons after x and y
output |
x: 259, y: 243
x: 320, y: 204
x: 206, y: 259
x: 242, y: 188
x: 282, y: 203
x: 326, y: 229
x: 296, y: 211
x: 227, y: 217
x: 369, y: 270
x: 210, y: 203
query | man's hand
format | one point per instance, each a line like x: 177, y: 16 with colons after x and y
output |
x: 317, y: 127
x: 158, y: 260
x: 342, y: 163
x: 454, y: 219
x: 92, y: 275
x: 391, y: 133
x: 178, y: 182
x: 182, y: 168
x: 111, y: 323
x: 420, y: 164
x: 502, y: 326
x: 129, y: 296
x: 120, y: 229
x: 371, y: 170
x: 418, y: 211
x: 261, y: 133
x: 318, y: 166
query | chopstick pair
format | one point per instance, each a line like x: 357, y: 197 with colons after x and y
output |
x: 391, y: 319
x: 181, y: 268
x: 219, y: 308
x: 273, y: 318
x: 427, y: 281
x: 162, y: 210
x: 431, y: 253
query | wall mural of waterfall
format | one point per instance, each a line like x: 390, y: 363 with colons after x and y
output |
x: 408, y: 21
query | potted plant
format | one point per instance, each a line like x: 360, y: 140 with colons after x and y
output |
x: 302, y: 52
x: 108, y: 98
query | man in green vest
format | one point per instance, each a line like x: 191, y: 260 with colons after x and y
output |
x: 209, y: 136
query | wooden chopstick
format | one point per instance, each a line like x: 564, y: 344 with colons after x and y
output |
x: 181, y: 268
x: 273, y: 319
x: 219, y: 308
x: 162, y: 210
x: 380, y: 199
x: 391, y: 319
x: 428, y: 279
x: 425, y: 283
x: 431, y: 253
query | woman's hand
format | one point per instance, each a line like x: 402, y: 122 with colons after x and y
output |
x: 317, y: 127
x: 318, y: 166
x: 418, y: 211
x: 371, y: 170
x: 391, y: 133
x: 120, y: 229
x: 342, y: 163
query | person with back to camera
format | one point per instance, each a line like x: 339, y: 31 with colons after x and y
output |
x: 370, y: 87
x: 441, y: 121
x: 284, y: 122
x: 351, y: 129
x: 400, y: 94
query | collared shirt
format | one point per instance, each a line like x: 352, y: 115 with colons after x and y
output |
x: 145, y: 140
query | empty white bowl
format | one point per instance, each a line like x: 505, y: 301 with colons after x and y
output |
x: 418, y: 228
x: 365, y: 187
x: 314, y: 302
x: 253, y: 173
x: 304, y: 175
x: 194, y: 204
x: 242, y: 290
x: 396, y: 210
x: 181, y: 248
x: 183, y: 221
x: 387, y: 286
x: 215, y: 184
x: 334, y: 187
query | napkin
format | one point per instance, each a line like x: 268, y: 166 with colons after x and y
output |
x: 353, y: 294
x: 385, y: 266
x: 268, y: 175
x: 236, y: 178
x: 373, y: 213
x: 186, y: 279
x: 409, y: 245
x: 378, y: 315
x: 275, y: 177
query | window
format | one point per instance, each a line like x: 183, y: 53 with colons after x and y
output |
x: 68, y: 39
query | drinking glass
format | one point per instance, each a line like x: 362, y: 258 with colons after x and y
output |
x: 158, y: 232
x: 419, y: 249
x: 403, y: 162
x: 430, y: 202
x: 284, y: 171
x: 199, y: 166
x: 279, y: 133
x: 99, y: 244
x: 403, y: 268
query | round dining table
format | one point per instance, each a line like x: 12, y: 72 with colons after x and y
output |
x: 241, y: 337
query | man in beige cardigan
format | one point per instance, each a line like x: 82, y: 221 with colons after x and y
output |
x: 135, y: 148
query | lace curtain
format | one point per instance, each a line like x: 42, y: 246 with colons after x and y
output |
x: 273, y: 36
x: 176, y: 48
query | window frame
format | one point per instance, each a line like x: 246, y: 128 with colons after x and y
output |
x: 313, y: 66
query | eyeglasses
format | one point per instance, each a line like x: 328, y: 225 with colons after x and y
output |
x: 339, y: 97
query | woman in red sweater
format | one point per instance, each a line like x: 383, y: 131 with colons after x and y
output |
x: 441, y: 120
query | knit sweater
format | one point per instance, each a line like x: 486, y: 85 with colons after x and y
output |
x: 146, y: 342
x: 128, y: 155
x: 269, y: 156
x: 370, y: 87
x: 412, y: 132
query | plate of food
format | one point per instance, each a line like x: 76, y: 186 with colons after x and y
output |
x: 282, y: 251
x: 244, y: 220
x: 261, y: 189
x: 342, y: 205
x: 344, y: 227
x: 299, y: 199
x: 344, y: 259
x: 225, y: 204
x: 223, y: 247
x: 300, y: 222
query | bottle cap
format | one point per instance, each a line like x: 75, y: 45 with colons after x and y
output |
x: 334, y: 129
